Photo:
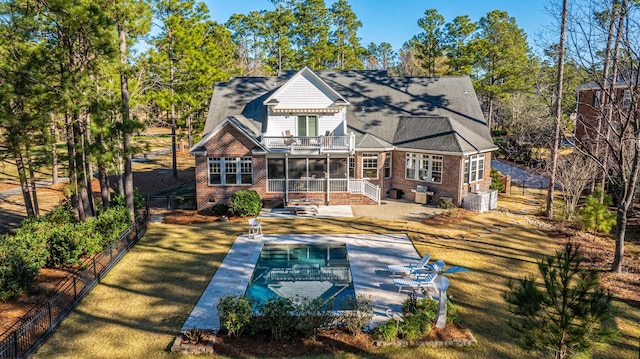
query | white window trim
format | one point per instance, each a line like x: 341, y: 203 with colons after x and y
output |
x: 388, y: 164
x: 474, y: 174
x: 306, y: 124
x: 223, y: 178
x: 372, y: 156
x: 419, y: 160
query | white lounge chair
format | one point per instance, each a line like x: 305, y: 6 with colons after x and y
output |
x: 410, y: 268
x: 255, y: 228
x: 422, y: 281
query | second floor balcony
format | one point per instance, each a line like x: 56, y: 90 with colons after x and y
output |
x: 310, y: 144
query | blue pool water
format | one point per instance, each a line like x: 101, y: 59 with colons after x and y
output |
x: 302, y: 272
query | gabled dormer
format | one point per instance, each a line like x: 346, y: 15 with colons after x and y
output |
x: 306, y: 114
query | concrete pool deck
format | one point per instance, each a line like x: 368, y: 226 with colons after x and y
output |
x: 369, y: 256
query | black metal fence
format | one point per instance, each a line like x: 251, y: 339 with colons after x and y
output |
x: 172, y: 202
x: 26, y: 335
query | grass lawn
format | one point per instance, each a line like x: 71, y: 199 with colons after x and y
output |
x: 139, y: 308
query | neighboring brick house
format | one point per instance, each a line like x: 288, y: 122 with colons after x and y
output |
x: 591, y: 112
x: 342, y: 137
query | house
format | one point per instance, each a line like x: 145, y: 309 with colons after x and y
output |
x: 591, y: 112
x: 342, y: 137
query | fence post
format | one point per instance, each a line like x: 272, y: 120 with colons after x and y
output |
x: 168, y: 204
x: 95, y: 273
x: 75, y: 292
x: 524, y: 184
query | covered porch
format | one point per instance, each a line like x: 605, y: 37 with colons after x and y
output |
x: 320, y: 175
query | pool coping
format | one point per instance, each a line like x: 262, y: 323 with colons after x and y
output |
x: 369, y: 255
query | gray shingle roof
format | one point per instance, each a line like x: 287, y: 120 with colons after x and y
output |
x: 428, y: 113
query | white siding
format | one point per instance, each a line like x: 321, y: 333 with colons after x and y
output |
x: 279, y: 123
x: 303, y: 92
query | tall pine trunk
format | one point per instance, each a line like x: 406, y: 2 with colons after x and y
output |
x: 558, y: 112
x: 22, y: 175
x: 604, y: 96
x: 174, y: 159
x: 54, y: 151
x: 126, y: 137
x: 32, y: 178
x: 103, y: 176
x: 73, y: 175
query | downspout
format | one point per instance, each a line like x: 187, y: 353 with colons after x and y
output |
x: 286, y: 178
x: 461, y: 179
x: 327, y: 179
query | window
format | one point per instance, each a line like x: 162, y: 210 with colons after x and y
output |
x: 424, y: 167
x: 596, y: 99
x: 387, y: 165
x: 230, y: 170
x: 352, y: 167
x: 370, y: 166
x: 626, y: 98
x: 307, y: 125
x: 474, y: 168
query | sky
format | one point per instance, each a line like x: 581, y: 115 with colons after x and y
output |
x: 396, y: 21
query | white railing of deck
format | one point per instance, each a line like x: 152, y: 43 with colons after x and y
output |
x: 355, y: 186
x: 319, y: 143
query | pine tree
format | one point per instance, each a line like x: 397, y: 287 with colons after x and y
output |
x: 310, y: 34
x: 565, y: 315
x: 430, y: 43
x: 501, y: 58
x: 457, y: 50
x: 344, y: 37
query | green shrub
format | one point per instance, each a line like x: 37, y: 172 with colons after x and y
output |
x: 314, y: 315
x: 277, y: 316
x: 220, y: 209
x: 91, y: 239
x: 21, y: 257
x: 446, y: 204
x: 111, y: 223
x: 361, y: 313
x: 410, y: 305
x: 415, y: 326
x: 245, y: 203
x: 65, y: 244
x: 119, y: 200
x: 596, y: 215
x: 387, y: 331
x: 235, y: 314
x: 60, y: 214
x: 496, y: 181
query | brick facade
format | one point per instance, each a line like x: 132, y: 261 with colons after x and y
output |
x: 229, y: 142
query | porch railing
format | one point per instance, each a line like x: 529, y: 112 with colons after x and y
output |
x: 315, y: 143
x: 354, y: 186
x: 366, y: 188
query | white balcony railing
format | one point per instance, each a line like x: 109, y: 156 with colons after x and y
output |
x: 313, y: 143
x: 352, y: 185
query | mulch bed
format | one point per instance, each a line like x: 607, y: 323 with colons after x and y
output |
x: 335, y: 340
x: 448, y: 217
x: 328, y: 341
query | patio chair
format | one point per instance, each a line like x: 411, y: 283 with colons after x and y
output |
x: 422, y: 281
x: 287, y: 137
x: 408, y: 269
x: 255, y: 228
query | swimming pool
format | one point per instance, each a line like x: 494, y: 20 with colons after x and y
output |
x: 302, y: 272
